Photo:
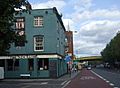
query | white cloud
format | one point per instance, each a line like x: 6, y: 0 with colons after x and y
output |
x: 91, y: 49
x: 88, y: 48
x: 59, y: 4
x: 96, y: 14
x: 81, y: 5
x: 93, y: 36
x: 95, y: 27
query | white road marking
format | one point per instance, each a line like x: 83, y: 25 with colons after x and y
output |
x: 44, y: 83
x: 104, y: 79
x: 63, y: 82
x: 97, y: 75
x: 66, y: 84
x: 87, y: 77
x: 111, y: 84
x: 115, y: 87
x: 107, y: 81
x: 25, y: 86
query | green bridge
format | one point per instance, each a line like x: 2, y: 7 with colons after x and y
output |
x: 90, y: 58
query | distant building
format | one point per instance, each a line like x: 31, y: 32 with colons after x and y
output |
x: 69, y: 50
x: 43, y: 54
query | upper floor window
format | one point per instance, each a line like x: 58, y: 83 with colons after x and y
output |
x: 20, y: 31
x: 38, y: 21
x: 20, y: 23
x: 38, y: 43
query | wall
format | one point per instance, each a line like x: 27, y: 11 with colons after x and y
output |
x: 49, y: 30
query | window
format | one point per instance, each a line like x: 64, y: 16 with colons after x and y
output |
x: 20, y: 23
x: 31, y: 64
x: 20, y: 26
x: 2, y: 63
x: 38, y: 21
x: 38, y: 43
x: 20, y: 41
x: 20, y: 31
x: 12, y: 64
x: 43, y: 64
x: 16, y: 65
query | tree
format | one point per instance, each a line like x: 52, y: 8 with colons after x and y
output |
x: 111, y: 53
x: 7, y: 12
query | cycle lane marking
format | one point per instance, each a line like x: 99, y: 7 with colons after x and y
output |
x: 111, y: 84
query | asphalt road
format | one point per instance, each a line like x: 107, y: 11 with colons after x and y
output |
x: 111, y: 77
x: 32, y: 83
x: 88, y: 79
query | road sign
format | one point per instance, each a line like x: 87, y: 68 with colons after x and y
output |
x: 67, y: 59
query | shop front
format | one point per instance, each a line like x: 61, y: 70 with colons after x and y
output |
x: 39, y: 66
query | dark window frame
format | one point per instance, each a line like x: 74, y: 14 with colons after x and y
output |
x: 30, y: 64
x: 43, y: 64
x: 12, y: 64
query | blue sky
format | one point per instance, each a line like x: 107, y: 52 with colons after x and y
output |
x: 96, y: 22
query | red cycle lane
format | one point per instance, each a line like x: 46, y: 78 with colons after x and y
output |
x: 87, y: 79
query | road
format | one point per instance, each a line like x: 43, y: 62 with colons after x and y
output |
x: 111, y: 77
x: 88, y: 79
x: 95, y: 78
x: 52, y: 83
x: 38, y: 83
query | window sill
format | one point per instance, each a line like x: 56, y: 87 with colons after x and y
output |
x: 38, y: 26
x: 38, y: 50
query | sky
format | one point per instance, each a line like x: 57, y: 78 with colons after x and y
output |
x: 96, y: 22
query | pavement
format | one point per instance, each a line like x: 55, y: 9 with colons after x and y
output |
x: 69, y: 76
x: 66, y: 76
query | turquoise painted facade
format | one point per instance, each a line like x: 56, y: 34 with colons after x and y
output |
x: 61, y: 69
x: 53, y: 53
x: 53, y: 31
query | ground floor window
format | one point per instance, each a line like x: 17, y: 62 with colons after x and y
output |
x: 43, y: 64
x: 31, y: 64
x: 2, y: 63
x: 16, y: 64
x: 12, y: 64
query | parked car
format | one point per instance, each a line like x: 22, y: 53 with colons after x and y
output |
x: 89, y: 68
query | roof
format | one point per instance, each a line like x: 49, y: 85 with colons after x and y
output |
x: 59, y: 17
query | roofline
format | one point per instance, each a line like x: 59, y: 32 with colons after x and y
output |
x: 59, y: 17
x: 43, y: 9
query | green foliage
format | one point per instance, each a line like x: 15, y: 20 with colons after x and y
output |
x: 112, y: 51
x: 7, y: 33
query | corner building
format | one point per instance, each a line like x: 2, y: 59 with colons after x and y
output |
x: 43, y: 54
